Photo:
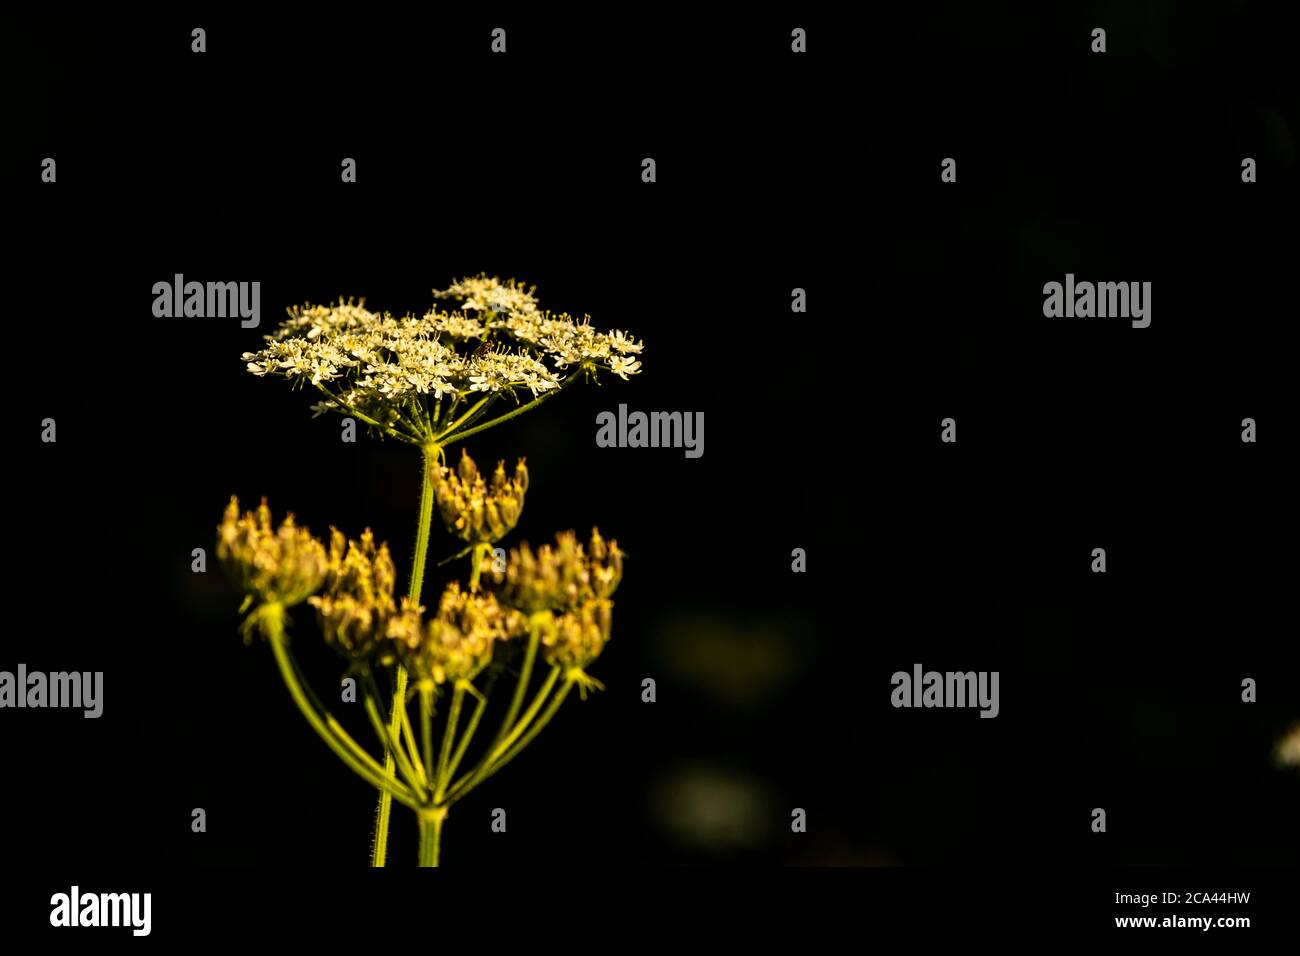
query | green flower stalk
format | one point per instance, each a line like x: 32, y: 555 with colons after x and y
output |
x: 431, y: 381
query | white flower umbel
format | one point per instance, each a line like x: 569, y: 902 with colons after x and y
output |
x: 432, y: 379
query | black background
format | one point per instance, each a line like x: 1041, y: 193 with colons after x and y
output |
x: 820, y: 171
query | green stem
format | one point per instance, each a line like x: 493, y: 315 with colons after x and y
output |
x: 480, y: 773
x: 525, y: 676
x: 422, y: 416
x: 529, y: 714
x: 426, y: 731
x: 476, y: 555
x: 472, y: 416
x: 453, y: 405
x: 391, y: 742
x: 384, y: 810
x: 459, y: 755
x: 331, y: 723
x: 556, y: 702
x: 431, y: 454
x: 388, y: 429
x: 447, y: 439
x: 459, y: 554
x: 273, y: 624
x: 431, y: 835
x: 464, y: 418
x: 408, y: 733
x: 448, y: 736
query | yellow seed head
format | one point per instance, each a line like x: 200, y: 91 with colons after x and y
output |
x: 357, y: 604
x: 559, y: 577
x: 576, y: 637
x: 478, y: 511
x: 273, y: 565
x: 458, y: 642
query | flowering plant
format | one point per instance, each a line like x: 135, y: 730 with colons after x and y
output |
x: 432, y: 381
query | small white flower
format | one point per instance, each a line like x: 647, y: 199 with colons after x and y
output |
x: 456, y: 324
x: 623, y: 343
x: 483, y: 293
x: 623, y: 366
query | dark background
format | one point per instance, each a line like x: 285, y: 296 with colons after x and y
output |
x: 822, y: 430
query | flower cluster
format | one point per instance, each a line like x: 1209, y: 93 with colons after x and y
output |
x: 357, y: 603
x: 569, y: 341
x: 273, y: 565
x: 474, y: 510
x: 497, y: 342
x: 512, y: 309
x: 565, y: 590
x: 559, y: 576
x: 568, y: 589
x: 575, y: 638
x: 486, y: 294
x: 456, y: 643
